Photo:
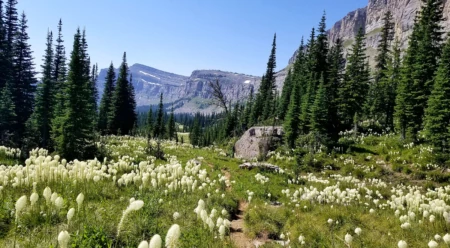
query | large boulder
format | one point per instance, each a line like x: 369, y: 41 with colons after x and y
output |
x: 257, y: 142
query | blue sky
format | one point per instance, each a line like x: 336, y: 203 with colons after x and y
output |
x: 180, y: 36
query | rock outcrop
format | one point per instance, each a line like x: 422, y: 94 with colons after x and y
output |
x: 257, y: 141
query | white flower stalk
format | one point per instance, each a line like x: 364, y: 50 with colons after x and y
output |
x: 34, y: 198
x: 348, y: 239
x: 446, y: 238
x: 143, y: 244
x: 222, y: 231
x: 20, y: 205
x: 53, y: 197
x: 47, y: 194
x: 437, y: 237
x: 402, y: 244
x: 80, y: 199
x: 301, y: 239
x: 155, y: 242
x: 70, y: 215
x: 63, y: 239
x: 176, y: 215
x: 358, y: 231
x: 134, y: 206
x: 432, y: 244
x: 172, y: 236
x: 59, y: 202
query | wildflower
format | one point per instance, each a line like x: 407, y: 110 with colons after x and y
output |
x: 358, y: 231
x: 34, y: 198
x: 63, y: 239
x: 446, y: 238
x: 172, y: 236
x: 80, y: 199
x: 330, y: 221
x: 402, y: 244
x: 47, y: 194
x: 155, y: 242
x: 348, y: 239
x: 176, y: 215
x: 437, y: 237
x: 70, y: 214
x: 143, y: 244
x: 20, y: 205
x: 282, y: 236
x: 301, y: 239
x: 134, y: 206
x: 432, y: 244
x: 59, y: 202
x: 222, y: 231
x: 224, y: 212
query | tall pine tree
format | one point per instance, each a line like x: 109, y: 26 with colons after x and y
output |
x: 73, y: 130
x: 123, y: 115
x: 437, y: 118
x: 45, y: 97
x: 158, y: 130
x: 353, y: 89
x: 106, y: 106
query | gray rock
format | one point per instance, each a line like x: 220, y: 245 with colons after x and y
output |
x: 257, y: 141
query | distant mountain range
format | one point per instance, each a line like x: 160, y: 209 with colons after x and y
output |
x: 188, y: 94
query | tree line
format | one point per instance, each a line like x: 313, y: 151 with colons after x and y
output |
x: 60, y: 112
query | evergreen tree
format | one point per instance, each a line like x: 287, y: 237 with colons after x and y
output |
x: 353, y: 89
x: 7, y: 116
x: 285, y: 96
x: 195, y: 134
x: 404, y: 101
x: 158, y: 130
x: 45, y: 97
x: 308, y: 79
x: 106, y: 106
x: 11, y: 28
x: 3, y: 59
x: 375, y: 105
x: 171, y: 128
x: 389, y: 85
x: 150, y: 123
x: 335, y: 76
x: 426, y: 61
x: 59, y: 73
x: 24, y: 80
x: 73, y: 134
x: 437, y: 119
x: 319, y: 111
x: 269, y: 97
x: 123, y: 115
x: 291, y: 123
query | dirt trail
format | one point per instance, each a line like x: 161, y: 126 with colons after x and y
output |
x: 237, y: 231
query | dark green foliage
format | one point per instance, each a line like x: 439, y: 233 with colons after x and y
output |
x: 45, y: 97
x: 171, y: 128
x: 353, y: 89
x: 73, y: 130
x: 285, y: 95
x: 335, y: 76
x: 106, y: 106
x: 3, y: 61
x: 265, y: 106
x: 437, y: 118
x: 319, y: 111
x: 123, y: 115
x: 7, y: 116
x: 195, y: 134
x: 149, y: 123
x: 158, y: 130
x: 291, y: 123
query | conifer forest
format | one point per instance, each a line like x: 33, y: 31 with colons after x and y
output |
x: 362, y: 158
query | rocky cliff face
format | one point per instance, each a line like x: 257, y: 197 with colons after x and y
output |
x: 370, y: 19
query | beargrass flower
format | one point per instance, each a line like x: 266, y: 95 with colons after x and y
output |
x: 172, y: 236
